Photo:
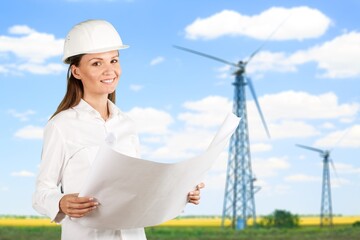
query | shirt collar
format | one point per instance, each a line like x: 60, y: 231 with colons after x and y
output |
x: 113, y: 109
x: 83, y: 106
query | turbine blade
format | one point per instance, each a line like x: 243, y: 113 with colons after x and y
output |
x: 267, y: 40
x: 340, y: 139
x: 252, y: 90
x: 333, y: 166
x: 206, y: 55
x: 311, y: 148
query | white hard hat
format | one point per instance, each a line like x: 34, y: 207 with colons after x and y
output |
x: 92, y: 36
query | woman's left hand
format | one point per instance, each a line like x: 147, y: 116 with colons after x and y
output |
x: 194, y: 196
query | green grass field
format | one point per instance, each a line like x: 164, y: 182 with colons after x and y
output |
x: 201, y: 233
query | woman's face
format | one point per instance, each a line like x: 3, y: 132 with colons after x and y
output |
x: 99, y: 73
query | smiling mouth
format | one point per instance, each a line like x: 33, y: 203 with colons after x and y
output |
x: 108, y: 80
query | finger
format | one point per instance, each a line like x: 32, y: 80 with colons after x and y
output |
x: 197, y: 197
x: 70, y: 206
x: 200, y: 186
x: 82, y: 205
x: 196, y: 202
x: 194, y: 193
x: 82, y: 199
x: 72, y: 212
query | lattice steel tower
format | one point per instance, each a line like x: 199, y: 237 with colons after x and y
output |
x: 326, y: 203
x: 239, y: 202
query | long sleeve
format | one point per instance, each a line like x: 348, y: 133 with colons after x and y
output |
x: 47, y: 193
x: 71, y: 141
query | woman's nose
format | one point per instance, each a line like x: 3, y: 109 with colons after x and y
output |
x: 109, y: 69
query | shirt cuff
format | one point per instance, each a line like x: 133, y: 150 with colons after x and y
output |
x: 54, y: 210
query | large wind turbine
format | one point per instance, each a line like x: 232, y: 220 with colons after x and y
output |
x: 239, y: 202
x: 326, y: 204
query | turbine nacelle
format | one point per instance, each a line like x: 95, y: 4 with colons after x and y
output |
x: 325, y: 154
x: 241, y: 68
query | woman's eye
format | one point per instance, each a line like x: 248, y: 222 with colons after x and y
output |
x: 96, y: 64
x: 114, y: 61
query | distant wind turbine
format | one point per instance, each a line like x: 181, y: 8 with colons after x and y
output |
x: 326, y: 215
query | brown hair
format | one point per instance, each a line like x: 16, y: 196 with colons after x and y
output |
x: 75, y: 88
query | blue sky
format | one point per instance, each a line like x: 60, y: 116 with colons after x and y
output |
x: 306, y: 78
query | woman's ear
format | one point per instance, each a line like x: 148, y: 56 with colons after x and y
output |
x: 75, y: 72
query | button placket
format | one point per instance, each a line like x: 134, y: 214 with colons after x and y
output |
x: 110, y: 137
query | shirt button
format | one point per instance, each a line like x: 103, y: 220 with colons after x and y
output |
x: 110, y: 138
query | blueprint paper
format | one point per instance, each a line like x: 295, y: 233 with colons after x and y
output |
x: 134, y: 192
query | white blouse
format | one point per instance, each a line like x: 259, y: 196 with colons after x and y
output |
x: 71, y: 141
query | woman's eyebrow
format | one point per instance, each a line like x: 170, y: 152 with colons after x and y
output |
x: 95, y: 58
x: 99, y: 58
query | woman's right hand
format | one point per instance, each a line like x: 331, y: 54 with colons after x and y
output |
x: 75, y: 206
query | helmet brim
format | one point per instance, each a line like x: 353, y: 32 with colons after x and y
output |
x: 65, y: 59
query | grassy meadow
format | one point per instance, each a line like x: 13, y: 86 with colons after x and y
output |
x: 15, y: 228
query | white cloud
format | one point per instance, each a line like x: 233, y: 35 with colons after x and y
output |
x: 339, y: 182
x: 185, y: 143
x: 3, y: 69
x: 222, y: 76
x: 266, y: 61
x: 136, y: 88
x: 192, y: 138
x: 347, y: 119
x: 344, y: 168
x: 337, y: 57
x: 348, y: 138
x: 224, y: 68
x: 207, y: 112
x: 157, y: 61
x: 328, y: 125
x: 269, y: 167
x: 23, y: 173
x: 290, y: 105
x: 51, y: 68
x: 286, y: 113
x: 31, y: 49
x: 224, y: 73
x: 302, y: 178
x: 22, y: 116
x: 21, y: 29
x: 152, y: 139
x: 231, y: 23
x: 270, y: 190
x: 260, y: 147
x: 215, y: 182
x: 30, y: 132
x: 34, y: 46
x: 287, y: 129
x: 151, y: 120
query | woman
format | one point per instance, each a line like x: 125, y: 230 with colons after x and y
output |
x: 86, y: 117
